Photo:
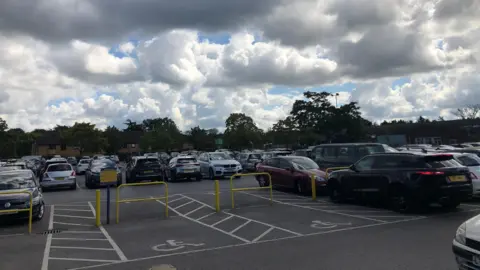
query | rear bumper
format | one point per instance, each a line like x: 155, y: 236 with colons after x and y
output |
x: 447, y: 193
x: 153, y: 177
x: 58, y: 184
x: 181, y: 175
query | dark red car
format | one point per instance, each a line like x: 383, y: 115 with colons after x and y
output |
x: 291, y: 172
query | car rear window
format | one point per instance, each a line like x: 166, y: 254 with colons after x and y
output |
x: 255, y: 156
x: 147, y: 162
x: 442, y: 161
x: 186, y: 160
x: 59, y: 168
x: 84, y: 161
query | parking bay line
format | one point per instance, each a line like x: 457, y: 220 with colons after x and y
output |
x: 207, y: 215
x: 78, y: 239
x: 193, y: 211
x: 263, y: 234
x: 46, y: 251
x: 317, y: 209
x: 250, y: 243
x: 82, y: 260
x: 72, y: 210
x: 83, y: 248
x: 72, y: 224
x: 225, y: 219
x: 71, y: 216
x: 109, y: 238
x: 245, y: 218
x: 182, y: 205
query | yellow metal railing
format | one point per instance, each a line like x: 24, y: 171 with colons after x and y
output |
x: 118, y: 201
x: 233, y: 190
x: 328, y: 170
x: 29, y: 209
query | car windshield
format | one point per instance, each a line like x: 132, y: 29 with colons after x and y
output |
x: 469, y: 160
x: 218, y: 156
x: 16, y: 181
x: 59, y: 168
x: 304, y: 163
x: 255, y: 156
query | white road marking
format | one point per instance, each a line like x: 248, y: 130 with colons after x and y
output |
x: 247, y: 244
x: 471, y: 205
x: 317, y: 209
x: 241, y: 226
x: 82, y: 260
x: 193, y: 211
x: 77, y: 185
x: 72, y: 210
x: 70, y: 216
x: 46, y: 251
x: 263, y: 234
x: 117, y: 249
x: 207, y: 225
x: 78, y: 239
x: 71, y: 205
x: 365, y: 211
x: 72, y: 224
x: 178, y: 199
x: 84, y: 248
x: 225, y: 219
x: 390, y: 216
x: 245, y: 218
x: 207, y: 215
x: 82, y: 232
x: 183, y: 205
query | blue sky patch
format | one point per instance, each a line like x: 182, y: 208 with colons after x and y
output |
x: 400, y: 82
x: 218, y: 38
x: 57, y: 102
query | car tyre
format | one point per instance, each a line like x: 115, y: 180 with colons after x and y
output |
x: 74, y: 186
x: 335, y: 192
x: 400, y: 201
x: 300, y: 188
x: 262, y: 181
x: 41, y: 212
x: 173, y: 176
x: 450, y: 205
x: 211, y: 175
x: 198, y: 178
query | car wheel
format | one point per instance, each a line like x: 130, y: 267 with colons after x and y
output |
x: 41, y: 212
x: 335, y: 192
x: 74, y: 186
x: 262, y: 181
x: 173, y: 176
x: 199, y: 178
x: 211, y: 175
x: 399, y: 201
x: 299, y: 187
x: 452, y: 204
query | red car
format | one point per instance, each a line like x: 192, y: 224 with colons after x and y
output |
x: 291, y: 172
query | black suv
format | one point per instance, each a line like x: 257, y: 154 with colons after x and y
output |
x: 407, y: 181
x: 143, y: 168
x: 345, y: 154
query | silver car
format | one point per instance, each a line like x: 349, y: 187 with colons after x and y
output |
x: 82, y: 165
x: 59, y: 175
x: 218, y: 164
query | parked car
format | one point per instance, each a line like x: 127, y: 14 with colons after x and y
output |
x: 182, y: 167
x: 72, y: 161
x: 345, y: 154
x: 82, y: 166
x: 16, y: 163
x: 50, y: 162
x: 20, y: 180
x: 279, y: 153
x: 472, y: 162
x: 303, y: 152
x: 142, y: 168
x: 249, y: 161
x: 218, y: 164
x: 466, y: 244
x: 407, y: 181
x: 94, y: 169
x: 292, y: 172
x: 59, y: 175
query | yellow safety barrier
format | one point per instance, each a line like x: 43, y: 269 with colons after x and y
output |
x: 334, y: 169
x: 97, y: 208
x: 29, y: 209
x: 217, y: 196
x: 314, y: 187
x: 118, y: 201
x: 233, y: 190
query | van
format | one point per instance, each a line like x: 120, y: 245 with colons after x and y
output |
x: 345, y: 154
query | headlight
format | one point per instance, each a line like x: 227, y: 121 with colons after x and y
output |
x: 35, y: 199
x: 460, y: 234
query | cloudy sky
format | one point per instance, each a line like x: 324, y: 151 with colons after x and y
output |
x: 197, y: 61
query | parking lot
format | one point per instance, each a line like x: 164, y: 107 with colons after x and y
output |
x: 293, y: 232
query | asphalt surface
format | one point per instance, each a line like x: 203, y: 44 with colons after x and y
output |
x: 293, y: 232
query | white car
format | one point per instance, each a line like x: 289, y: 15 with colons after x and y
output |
x: 218, y: 164
x: 82, y: 166
x: 59, y: 175
x: 466, y: 244
x: 183, y: 167
x: 472, y: 161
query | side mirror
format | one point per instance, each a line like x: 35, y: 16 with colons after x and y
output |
x: 352, y: 167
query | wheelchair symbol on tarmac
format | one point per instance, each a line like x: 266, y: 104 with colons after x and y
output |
x: 317, y: 224
x: 172, y: 245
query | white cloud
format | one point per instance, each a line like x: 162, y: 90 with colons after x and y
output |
x: 67, y: 74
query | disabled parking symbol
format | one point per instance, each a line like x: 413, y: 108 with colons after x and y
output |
x: 172, y: 245
x: 317, y: 224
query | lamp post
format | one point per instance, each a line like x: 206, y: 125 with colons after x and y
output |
x: 336, y: 100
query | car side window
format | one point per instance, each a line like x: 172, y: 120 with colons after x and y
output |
x: 317, y: 152
x: 346, y: 153
x: 330, y: 152
x: 283, y: 164
x: 273, y: 162
x: 365, y: 163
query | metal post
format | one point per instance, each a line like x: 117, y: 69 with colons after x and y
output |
x: 97, y: 208
x: 166, y: 199
x: 217, y: 195
x: 108, y: 204
x: 232, y: 191
x: 30, y: 213
x: 314, y: 188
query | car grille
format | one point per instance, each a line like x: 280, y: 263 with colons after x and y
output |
x: 473, y: 244
x: 14, y: 204
x: 230, y: 166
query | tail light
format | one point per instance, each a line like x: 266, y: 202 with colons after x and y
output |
x: 430, y: 173
x: 473, y: 176
x: 73, y: 173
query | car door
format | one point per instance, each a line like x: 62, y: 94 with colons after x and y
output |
x: 283, y: 173
x: 202, y: 160
x: 351, y: 181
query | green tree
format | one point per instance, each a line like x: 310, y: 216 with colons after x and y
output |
x: 241, y: 132
x: 202, y: 139
x: 113, y: 137
x: 87, y: 137
x: 161, y: 134
x: 133, y: 126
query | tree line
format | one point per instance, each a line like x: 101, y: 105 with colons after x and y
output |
x: 312, y: 120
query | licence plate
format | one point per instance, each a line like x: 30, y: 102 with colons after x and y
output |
x: 457, y: 178
x: 148, y: 172
x: 59, y: 178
